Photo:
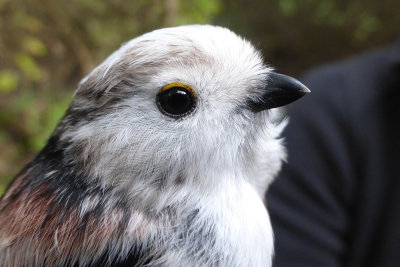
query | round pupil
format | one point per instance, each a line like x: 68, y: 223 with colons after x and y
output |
x: 176, y: 101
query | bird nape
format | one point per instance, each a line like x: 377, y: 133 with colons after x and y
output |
x: 162, y: 159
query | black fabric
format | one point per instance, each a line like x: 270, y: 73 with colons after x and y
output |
x: 337, y: 200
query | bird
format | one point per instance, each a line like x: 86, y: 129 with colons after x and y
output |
x: 162, y: 159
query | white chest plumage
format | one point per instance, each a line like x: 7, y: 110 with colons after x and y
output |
x: 228, y: 226
x: 244, y: 228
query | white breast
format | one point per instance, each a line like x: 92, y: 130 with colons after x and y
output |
x: 244, y: 230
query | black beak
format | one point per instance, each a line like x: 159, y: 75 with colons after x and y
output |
x: 280, y: 90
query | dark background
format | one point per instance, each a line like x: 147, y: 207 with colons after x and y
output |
x: 47, y: 46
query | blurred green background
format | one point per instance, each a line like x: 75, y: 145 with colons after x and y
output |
x: 46, y: 47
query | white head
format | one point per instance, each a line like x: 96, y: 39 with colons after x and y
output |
x: 126, y: 128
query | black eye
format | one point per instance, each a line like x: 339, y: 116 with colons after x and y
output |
x: 175, y: 102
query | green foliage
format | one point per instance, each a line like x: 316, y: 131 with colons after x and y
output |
x: 288, y: 7
x: 369, y: 24
x: 28, y: 66
x: 198, y: 11
x: 2, y: 189
x: 34, y: 46
x: 8, y: 81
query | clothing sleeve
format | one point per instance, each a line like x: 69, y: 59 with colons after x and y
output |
x: 310, y: 202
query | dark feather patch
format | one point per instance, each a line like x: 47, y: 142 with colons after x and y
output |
x: 52, y: 189
x: 136, y: 257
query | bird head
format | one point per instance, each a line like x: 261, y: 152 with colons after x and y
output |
x: 190, y: 105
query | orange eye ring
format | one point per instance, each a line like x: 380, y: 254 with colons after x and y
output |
x: 176, y: 100
x: 182, y: 85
